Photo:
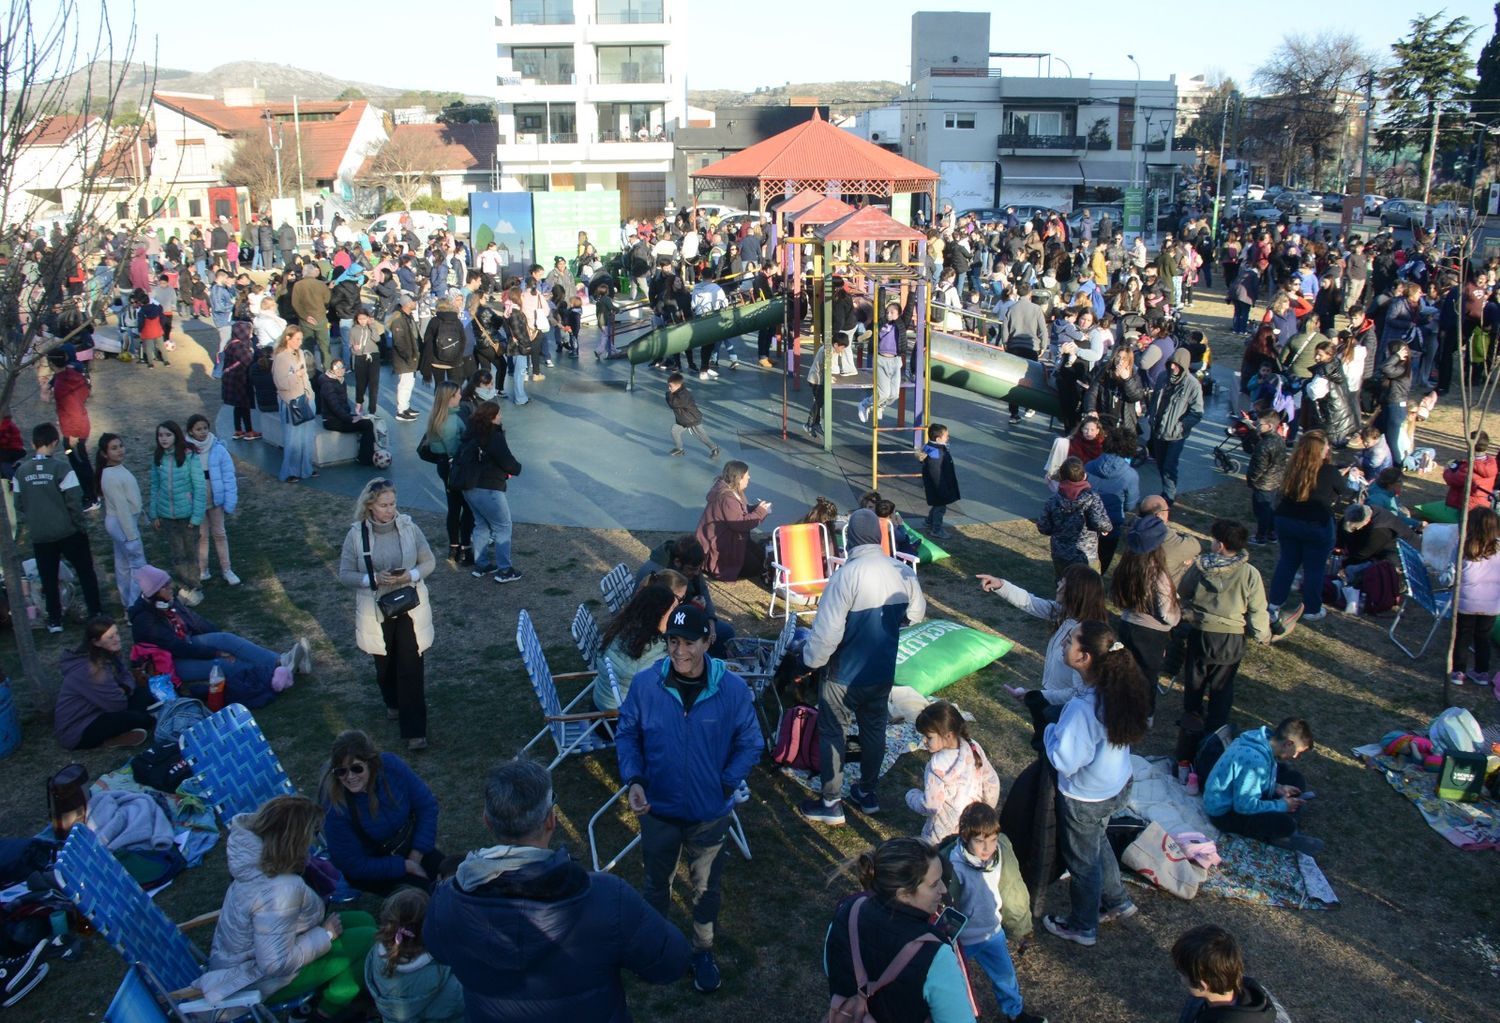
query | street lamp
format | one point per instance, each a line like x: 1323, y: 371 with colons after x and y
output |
x: 275, y: 131
x: 1135, y: 112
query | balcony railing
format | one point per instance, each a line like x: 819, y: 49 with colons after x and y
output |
x: 641, y: 77
x: 616, y: 136
x: 536, y: 138
x: 542, y: 18
x: 1060, y: 142
x: 655, y: 17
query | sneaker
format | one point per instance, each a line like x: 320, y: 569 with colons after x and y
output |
x: 1315, y: 616
x: 1457, y: 678
x: 416, y: 744
x: 190, y: 598
x: 819, y: 812
x: 705, y: 972
x: 239, y: 435
x: 864, y: 412
x: 230, y: 577
x: 550, y: 363
x: 1015, y: 420
x: 480, y: 573
x: 93, y: 505
x: 1301, y: 843
x: 507, y: 575
x: 54, y: 627
x: 1480, y: 678
x: 282, y: 679
x: 253, y: 435
x: 713, y: 452
x: 734, y: 365
x: 1124, y: 911
x: 713, y: 373
x: 1258, y: 541
x: 538, y: 376
x: 19, y: 974
x: 205, y: 575
x: 1029, y: 413
x: 703, y: 375
x: 134, y: 737
x: 865, y: 801
x: 767, y: 363
x: 1060, y: 929
x: 677, y: 452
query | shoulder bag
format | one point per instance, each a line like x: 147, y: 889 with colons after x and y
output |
x: 397, y: 602
x: 299, y: 410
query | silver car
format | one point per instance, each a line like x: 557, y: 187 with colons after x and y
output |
x: 1406, y: 213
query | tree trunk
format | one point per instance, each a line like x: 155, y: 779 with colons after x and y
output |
x: 1431, y: 157
x: 20, y: 619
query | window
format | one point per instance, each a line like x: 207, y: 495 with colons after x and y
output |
x: 629, y: 12
x: 632, y: 122
x: 549, y: 65
x: 1033, y: 122
x: 534, y: 182
x: 1125, y: 130
x: 192, y: 157
x: 632, y: 64
x: 195, y: 209
x: 546, y: 122
x: 959, y: 119
x: 122, y: 211
x: 541, y: 12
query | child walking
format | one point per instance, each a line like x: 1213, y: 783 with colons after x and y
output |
x: 1478, y: 598
x: 1074, y: 518
x: 988, y: 889
x: 958, y: 773
x: 939, y: 479
x: 687, y: 418
x: 842, y: 365
x: 405, y: 983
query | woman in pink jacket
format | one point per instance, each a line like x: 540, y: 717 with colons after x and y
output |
x: 725, y: 526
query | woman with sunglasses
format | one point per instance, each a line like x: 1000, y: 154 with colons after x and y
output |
x: 381, y: 819
x: 384, y: 551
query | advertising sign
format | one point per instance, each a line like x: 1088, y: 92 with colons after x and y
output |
x: 558, y: 217
x: 1135, y: 201
x: 505, y: 219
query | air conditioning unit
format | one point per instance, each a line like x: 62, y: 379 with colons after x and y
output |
x: 875, y: 136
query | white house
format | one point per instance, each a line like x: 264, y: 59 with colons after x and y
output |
x: 53, y: 159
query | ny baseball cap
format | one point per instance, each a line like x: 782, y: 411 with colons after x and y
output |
x: 688, y: 621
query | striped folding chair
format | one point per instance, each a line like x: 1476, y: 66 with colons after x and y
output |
x: 802, y: 563
x: 586, y: 635
x: 1417, y: 589
x: 617, y: 587
x: 572, y: 731
x: 234, y: 768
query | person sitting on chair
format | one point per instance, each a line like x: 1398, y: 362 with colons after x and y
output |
x: 340, y: 417
x: 1368, y: 535
x: 1253, y: 790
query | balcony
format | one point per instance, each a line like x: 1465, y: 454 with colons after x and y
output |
x: 556, y: 89
x: 1042, y: 145
x: 632, y: 76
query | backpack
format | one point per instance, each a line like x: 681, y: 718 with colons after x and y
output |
x: 855, y: 1008
x: 463, y: 471
x: 1378, y: 588
x: 1456, y: 731
x: 1480, y: 343
x: 797, y: 740
x: 161, y: 766
x: 423, y: 266
x: 1210, y: 750
x: 448, y: 344
x: 175, y: 718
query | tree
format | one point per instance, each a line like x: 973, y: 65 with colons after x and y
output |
x: 1312, y: 84
x: 1485, y: 103
x: 404, y: 165
x: 252, y: 163
x: 38, y: 57
x: 1426, y: 86
x: 1205, y: 127
x: 460, y: 112
x: 351, y: 93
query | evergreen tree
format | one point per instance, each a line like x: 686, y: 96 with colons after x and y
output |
x: 1485, y: 105
x: 1428, y: 84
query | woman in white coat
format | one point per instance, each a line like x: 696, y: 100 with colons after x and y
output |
x: 223, y: 496
x: 273, y: 934
x: 383, y: 552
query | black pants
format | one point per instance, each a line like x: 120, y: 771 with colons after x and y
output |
x: 366, y: 370
x: 1149, y: 648
x: 432, y: 863
x: 1475, y: 630
x: 242, y: 421
x: 665, y: 842
x: 400, y: 674
x: 460, y: 515
x: 815, y: 414
x: 117, y: 722
x: 75, y: 549
x: 763, y: 344
x: 366, y: 430
x: 78, y: 458
x: 1264, y: 827
x: 1212, y: 661
x: 1108, y: 543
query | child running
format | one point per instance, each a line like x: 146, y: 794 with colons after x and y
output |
x: 686, y: 417
x: 958, y: 773
x: 405, y: 983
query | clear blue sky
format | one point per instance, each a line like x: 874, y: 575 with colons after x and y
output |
x: 452, y: 45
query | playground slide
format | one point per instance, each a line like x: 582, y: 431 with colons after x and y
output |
x: 665, y: 342
x: 987, y: 370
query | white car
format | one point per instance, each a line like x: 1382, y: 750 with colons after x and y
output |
x: 707, y: 210
x: 1373, y: 203
x: 422, y: 223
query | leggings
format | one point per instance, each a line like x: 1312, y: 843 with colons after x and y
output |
x: 367, y: 379
x: 340, y: 972
x: 213, y: 527
x: 460, y: 515
x: 1473, y: 629
x: 242, y: 423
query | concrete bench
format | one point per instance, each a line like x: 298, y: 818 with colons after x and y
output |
x: 329, y: 447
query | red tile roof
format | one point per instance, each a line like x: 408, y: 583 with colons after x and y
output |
x: 325, y: 143
x: 454, y: 147
x: 817, y: 151
x: 871, y: 223
x: 825, y: 211
x: 55, y: 131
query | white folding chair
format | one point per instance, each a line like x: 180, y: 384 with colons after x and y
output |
x: 617, y: 587
x: 572, y: 731
x: 586, y: 636
x: 887, y: 543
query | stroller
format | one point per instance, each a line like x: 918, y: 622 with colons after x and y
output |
x: 1241, y: 431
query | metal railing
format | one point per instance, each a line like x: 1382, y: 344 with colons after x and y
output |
x: 638, y: 77
x: 615, y: 136
x: 542, y: 18
x: 646, y: 17
x: 1043, y: 141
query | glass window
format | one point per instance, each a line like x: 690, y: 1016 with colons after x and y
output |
x: 122, y: 211
x: 195, y: 208
x: 959, y: 119
x: 632, y: 122
x: 549, y: 65
x: 631, y: 64
x: 1033, y: 122
x: 541, y: 12
x: 629, y: 12
x: 535, y: 182
x: 546, y: 122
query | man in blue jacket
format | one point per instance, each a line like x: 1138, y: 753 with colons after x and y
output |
x: 530, y: 934
x: 1253, y: 790
x: 687, y: 737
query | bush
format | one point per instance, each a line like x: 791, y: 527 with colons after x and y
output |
x: 429, y: 204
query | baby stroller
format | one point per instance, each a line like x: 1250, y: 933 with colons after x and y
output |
x: 1241, y: 431
x: 1200, y: 355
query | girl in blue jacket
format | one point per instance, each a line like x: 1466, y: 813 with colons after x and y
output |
x: 405, y: 983
x: 221, y: 496
x: 179, y: 497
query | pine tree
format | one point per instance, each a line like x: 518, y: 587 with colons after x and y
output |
x: 1430, y: 82
x: 1485, y: 106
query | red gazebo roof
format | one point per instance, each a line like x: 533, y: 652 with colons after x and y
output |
x: 824, y: 211
x: 812, y: 156
x: 869, y: 224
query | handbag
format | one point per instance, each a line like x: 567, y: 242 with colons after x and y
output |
x: 1157, y: 857
x: 299, y: 410
x: 398, y: 843
x: 397, y: 602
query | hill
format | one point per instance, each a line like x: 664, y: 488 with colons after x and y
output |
x: 840, y: 97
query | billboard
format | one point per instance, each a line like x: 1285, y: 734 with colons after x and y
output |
x: 505, y: 219
x: 966, y: 184
x: 559, y: 216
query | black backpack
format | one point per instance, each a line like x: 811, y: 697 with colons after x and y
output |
x: 463, y: 472
x: 448, y: 343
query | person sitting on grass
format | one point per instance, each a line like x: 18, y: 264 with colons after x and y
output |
x: 1208, y: 961
x: 684, y: 556
x: 1254, y: 791
x: 99, y: 703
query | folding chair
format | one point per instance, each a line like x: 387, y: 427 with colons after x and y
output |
x: 761, y: 674
x: 802, y: 563
x: 586, y: 635
x: 736, y: 834
x: 141, y: 998
x: 1417, y: 589
x: 887, y: 543
x: 135, y: 927
x: 572, y: 731
x: 617, y: 587
x: 235, y: 769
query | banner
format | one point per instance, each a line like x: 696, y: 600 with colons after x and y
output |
x: 559, y: 217
x: 1135, y: 200
x: 505, y: 219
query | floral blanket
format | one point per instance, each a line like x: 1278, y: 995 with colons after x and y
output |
x: 1252, y: 871
x: 901, y: 738
x: 1466, y: 825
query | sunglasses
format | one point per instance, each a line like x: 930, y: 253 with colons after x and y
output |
x: 355, y: 768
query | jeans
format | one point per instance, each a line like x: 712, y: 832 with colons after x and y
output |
x: 515, y: 379
x: 1263, y: 505
x: 129, y: 556
x: 1241, y: 323
x: 1393, y: 421
x: 993, y: 956
x: 663, y: 844
x: 866, y: 706
x: 297, y: 450
x: 934, y: 519
x: 1168, y: 455
x: 247, y: 678
x: 1095, y: 882
x: 1273, y: 826
x: 491, y: 525
x: 401, y: 675
x: 345, y: 353
x: 1304, y: 544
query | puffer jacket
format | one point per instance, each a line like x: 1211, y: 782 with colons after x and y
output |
x: 1074, y: 518
x: 269, y: 928
x: 415, y: 553
x: 178, y: 491
x: 950, y: 783
x: 496, y: 462
x: 724, y: 530
x: 223, y: 487
x: 1113, y: 400
x: 1225, y: 594
x: 858, y: 626
x: 1267, y: 463
x: 1332, y: 410
x: 1481, y: 488
x: 1117, y: 483
x: 1177, y: 405
x: 992, y: 895
x: 420, y: 991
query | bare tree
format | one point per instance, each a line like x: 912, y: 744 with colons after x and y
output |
x: 1313, y: 84
x: 43, y: 50
x: 252, y: 163
x: 404, y: 164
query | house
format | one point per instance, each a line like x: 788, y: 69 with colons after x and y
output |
x: 51, y: 162
x: 457, y: 158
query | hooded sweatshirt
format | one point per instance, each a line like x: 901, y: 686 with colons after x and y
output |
x: 1224, y: 593
x: 1074, y: 518
x: 1117, y: 483
x: 1177, y: 405
x: 1253, y: 1004
x: 1060, y: 683
x: 1244, y: 778
x: 1090, y: 769
x: 951, y: 782
x: 86, y: 693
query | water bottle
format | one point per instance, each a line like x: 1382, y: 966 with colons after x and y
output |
x: 1192, y: 783
x: 216, y: 688
x: 1183, y: 768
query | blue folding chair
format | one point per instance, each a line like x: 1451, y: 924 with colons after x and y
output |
x: 586, y: 635
x: 1417, y: 589
x: 234, y: 768
x: 140, y: 998
x: 572, y: 731
x: 617, y: 587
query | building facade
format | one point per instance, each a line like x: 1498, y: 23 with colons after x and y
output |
x: 590, y: 94
x: 999, y: 138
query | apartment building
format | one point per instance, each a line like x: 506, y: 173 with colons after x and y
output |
x: 590, y: 94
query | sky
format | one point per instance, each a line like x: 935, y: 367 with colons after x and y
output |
x: 457, y: 50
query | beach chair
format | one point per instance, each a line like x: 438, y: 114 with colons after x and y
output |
x: 759, y: 672
x: 586, y: 634
x: 235, y: 770
x: 802, y: 563
x: 1416, y: 588
x: 138, y: 930
x: 887, y: 543
x: 573, y: 731
x: 736, y: 835
x: 617, y: 587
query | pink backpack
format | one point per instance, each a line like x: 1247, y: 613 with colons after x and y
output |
x: 855, y: 1008
x: 797, y: 740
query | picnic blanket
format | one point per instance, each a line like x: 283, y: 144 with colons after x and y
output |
x: 1466, y: 825
x: 901, y: 738
x: 193, y: 823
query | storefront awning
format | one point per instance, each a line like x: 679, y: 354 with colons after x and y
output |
x: 1030, y: 170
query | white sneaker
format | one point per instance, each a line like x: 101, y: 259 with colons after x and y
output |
x: 703, y: 375
x: 190, y: 598
x: 230, y: 577
x: 205, y: 575
x: 864, y: 412
x: 712, y: 372
x: 551, y: 363
x: 302, y: 662
x: 1315, y: 616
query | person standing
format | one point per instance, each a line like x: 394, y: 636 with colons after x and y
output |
x: 289, y: 370
x: 855, y: 634
x: 1305, y: 527
x: 221, y: 498
x: 686, y: 417
x: 485, y: 493
x: 363, y: 340
x: 179, y: 497
x: 1176, y: 407
x: 384, y: 551
x: 686, y: 740
x: 310, y: 297
x: 446, y: 425
x: 406, y: 354
x: 122, y: 515
x: 70, y: 391
x: 234, y: 385
x: 1478, y: 598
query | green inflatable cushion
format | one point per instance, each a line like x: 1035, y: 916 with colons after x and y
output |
x: 938, y: 653
x: 1436, y: 511
x: 927, y: 551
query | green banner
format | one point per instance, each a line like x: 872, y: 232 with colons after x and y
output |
x: 559, y: 216
x: 1135, y: 201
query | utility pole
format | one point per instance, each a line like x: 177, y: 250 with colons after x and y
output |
x: 1364, y: 145
x: 1219, y: 180
x: 301, y: 184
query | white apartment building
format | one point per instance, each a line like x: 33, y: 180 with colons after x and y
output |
x: 589, y: 94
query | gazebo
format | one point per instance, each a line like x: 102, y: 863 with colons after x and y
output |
x: 816, y: 157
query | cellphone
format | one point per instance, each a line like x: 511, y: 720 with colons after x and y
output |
x: 950, y: 924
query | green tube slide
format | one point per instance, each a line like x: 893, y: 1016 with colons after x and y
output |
x: 985, y: 369
x: 665, y: 342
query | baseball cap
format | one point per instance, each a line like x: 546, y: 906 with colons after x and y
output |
x: 688, y: 621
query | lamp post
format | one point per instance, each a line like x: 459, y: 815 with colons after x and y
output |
x: 274, y: 135
x: 1135, y: 112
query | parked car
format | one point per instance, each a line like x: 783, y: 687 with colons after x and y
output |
x: 1260, y: 209
x: 1333, y: 202
x: 422, y: 223
x: 1406, y: 213
x: 1024, y: 211
x: 1450, y: 212
x: 1373, y: 204
x: 1299, y: 203
x: 1252, y: 192
x: 1097, y: 211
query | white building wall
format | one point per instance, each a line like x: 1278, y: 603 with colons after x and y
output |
x: 368, y: 137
